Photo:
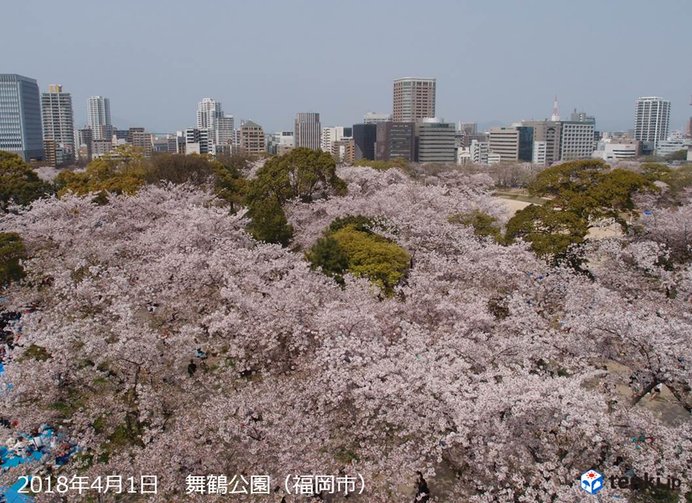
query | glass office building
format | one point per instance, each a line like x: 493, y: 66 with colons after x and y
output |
x: 20, y: 117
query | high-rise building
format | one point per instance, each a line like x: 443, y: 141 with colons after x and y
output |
x: 364, y: 137
x: 84, y: 148
x: 435, y: 141
x: 58, y: 125
x: 214, y: 130
x: 652, y: 120
x: 223, y: 129
x: 207, y: 111
x: 513, y: 143
x: 558, y: 140
x: 252, y: 138
x: 547, y: 133
x: 20, y: 116
x: 576, y: 140
x: 99, y: 117
x: 395, y: 140
x: 413, y: 99
x: 308, y: 130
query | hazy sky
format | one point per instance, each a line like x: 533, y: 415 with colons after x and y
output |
x: 500, y: 60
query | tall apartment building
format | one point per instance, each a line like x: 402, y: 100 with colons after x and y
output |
x: 513, y: 143
x: 414, y: 99
x: 20, y: 116
x: 58, y: 125
x: 435, y: 141
x: 394, y: 140
x: 220, y: 127
x: 252, y: 139
x: 652, y: 121
x: 576, y: 140
x: 364, y: 137
x: 334, y: 134
x: 99, y: 117
x: 308, y: 130
x: 207, y: 111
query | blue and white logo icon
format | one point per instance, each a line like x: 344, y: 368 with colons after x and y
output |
x: 592, y: 481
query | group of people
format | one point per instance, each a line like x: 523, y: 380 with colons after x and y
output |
x: 28, y: 445
x: 21, y: 447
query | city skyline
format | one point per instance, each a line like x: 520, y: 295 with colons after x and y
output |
x: 413, y: 133
x: 599, y: 70
x: 104, y: 110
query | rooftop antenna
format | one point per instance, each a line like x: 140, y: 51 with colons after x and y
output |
x: 556, y: 111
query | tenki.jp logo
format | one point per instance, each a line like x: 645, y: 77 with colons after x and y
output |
x: 592, y: 481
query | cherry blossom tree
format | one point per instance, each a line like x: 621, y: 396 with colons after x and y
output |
x: 164, y: 340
